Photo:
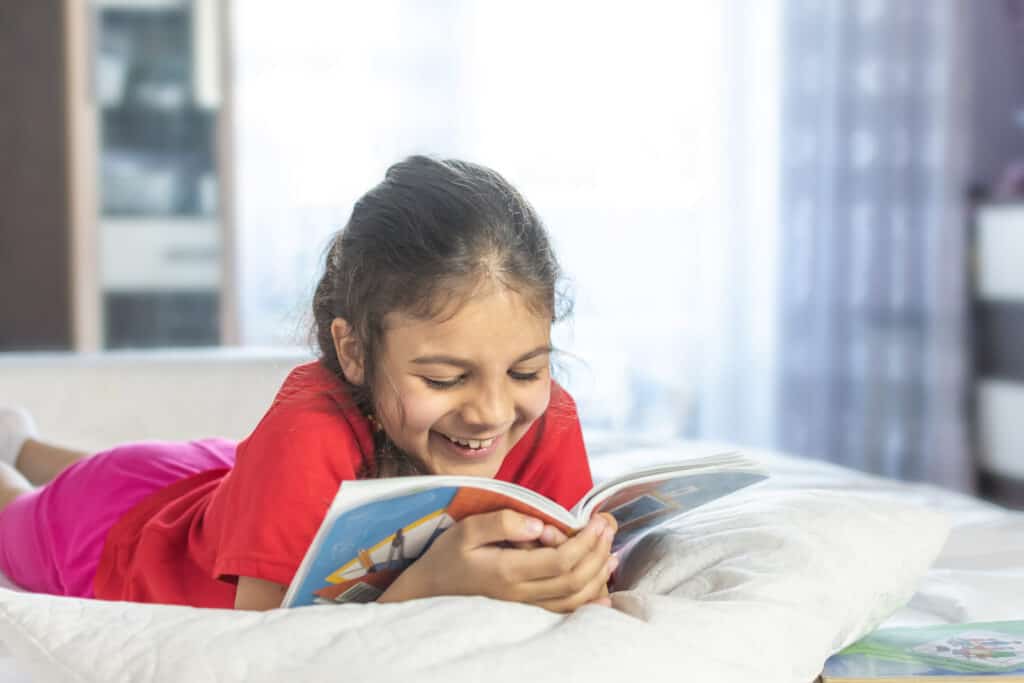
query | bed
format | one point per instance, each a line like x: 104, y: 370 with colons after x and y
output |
x: 761, y: 586
x: 977, y: 576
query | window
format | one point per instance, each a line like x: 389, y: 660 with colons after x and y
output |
x: 609, y: 117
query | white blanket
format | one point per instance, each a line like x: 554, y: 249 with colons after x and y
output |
x: 762, y: 586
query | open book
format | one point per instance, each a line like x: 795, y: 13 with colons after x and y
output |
x: 982, y: 651
x: 375, y: 528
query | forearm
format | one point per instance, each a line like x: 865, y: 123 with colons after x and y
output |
x: 258, y: 594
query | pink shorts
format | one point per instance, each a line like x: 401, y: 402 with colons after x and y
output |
x: 51, y: 539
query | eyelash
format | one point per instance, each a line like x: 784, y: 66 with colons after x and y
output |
x: 451, y: 384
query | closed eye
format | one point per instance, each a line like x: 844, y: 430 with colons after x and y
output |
x: 443, y: 383
x: 524, y: 376
x: 452, y: 383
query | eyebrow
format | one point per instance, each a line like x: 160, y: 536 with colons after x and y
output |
x: 459, y: 362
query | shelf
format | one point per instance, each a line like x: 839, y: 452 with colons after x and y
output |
x: 1000, y: 246
x: 160, y: 255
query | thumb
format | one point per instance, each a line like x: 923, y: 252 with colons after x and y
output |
x: 499, y: 527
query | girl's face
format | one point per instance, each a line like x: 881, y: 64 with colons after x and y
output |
x: 459, y: 392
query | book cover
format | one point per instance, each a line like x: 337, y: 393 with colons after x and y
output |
x: 964, y: 652
x: 367, y: 547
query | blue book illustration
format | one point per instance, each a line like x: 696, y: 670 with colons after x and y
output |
x: 376, y: 528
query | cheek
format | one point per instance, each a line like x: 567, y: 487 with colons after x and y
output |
x: 419, y: 409
x: 534, y: 402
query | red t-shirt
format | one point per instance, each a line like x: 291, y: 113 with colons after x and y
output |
x: 188, y: 543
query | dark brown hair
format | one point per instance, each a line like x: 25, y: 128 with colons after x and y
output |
x: 418, y: 242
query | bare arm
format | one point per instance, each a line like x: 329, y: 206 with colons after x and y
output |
x: 257, y: 594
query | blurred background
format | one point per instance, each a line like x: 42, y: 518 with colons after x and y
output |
x: 790, y: 224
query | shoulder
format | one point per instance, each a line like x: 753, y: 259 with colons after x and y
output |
x: 312, y: 417
x: 561, y: 407
x: 560, y: 396
x: 307, y: 385
x: 312, y: 393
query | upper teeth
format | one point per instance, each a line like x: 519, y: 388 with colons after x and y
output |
x: 472, y: 443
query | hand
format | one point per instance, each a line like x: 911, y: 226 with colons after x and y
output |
x: 465, y: 560
x: 552, y: 537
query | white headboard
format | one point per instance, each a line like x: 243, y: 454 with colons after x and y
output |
x: 94, y: 401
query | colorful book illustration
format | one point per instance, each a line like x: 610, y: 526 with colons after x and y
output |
x: 983, y: 651
x: 375, y: 528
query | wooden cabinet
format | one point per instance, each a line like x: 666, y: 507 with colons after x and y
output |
x: 121, y: 202
x: 35, y: 259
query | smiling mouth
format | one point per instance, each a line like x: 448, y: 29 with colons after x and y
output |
x: 475, y: 444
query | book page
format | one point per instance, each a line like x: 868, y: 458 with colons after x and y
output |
x: 473, y: 501
x: 640, y: 507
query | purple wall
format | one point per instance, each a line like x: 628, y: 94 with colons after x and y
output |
x: 995, y: 35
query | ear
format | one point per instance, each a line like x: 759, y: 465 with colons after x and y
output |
x: 350, y: 353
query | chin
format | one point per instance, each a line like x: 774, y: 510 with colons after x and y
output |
x: 484, y: 468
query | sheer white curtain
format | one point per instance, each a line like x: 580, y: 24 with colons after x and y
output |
x: 874, y: 294
x: 644, y: 133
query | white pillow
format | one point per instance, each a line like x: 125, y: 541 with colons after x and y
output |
x: 762, y: 586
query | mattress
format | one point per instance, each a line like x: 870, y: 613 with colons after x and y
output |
x: 9, y: 670
x: 977, y: 576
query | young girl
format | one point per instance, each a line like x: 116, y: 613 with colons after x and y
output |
x: 433, y: 319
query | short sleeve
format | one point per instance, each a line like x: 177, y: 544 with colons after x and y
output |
x: 271, y: 505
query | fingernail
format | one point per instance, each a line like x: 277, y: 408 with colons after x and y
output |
x: 608, y: 535
x: 613, y: 563
x: 599, y: 525
x: 548, y: 535
x: 534, y: 526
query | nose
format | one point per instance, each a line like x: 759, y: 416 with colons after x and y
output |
x: 490, y: 407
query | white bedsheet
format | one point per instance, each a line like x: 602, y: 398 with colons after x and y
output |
x: 977, y: 576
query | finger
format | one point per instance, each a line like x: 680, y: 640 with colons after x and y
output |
x: 497, y: 527
x: 519, y: 565
x: 592, y: 591
x: 553, y: 562
x: 597, y: 562
x: 613, y: 523
x: 552, y: 537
